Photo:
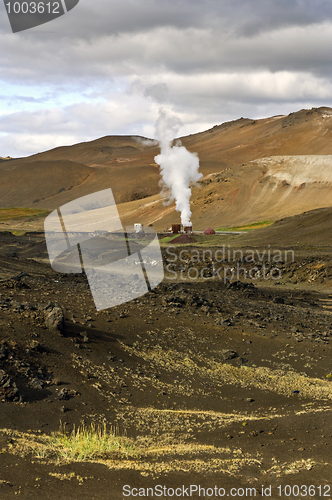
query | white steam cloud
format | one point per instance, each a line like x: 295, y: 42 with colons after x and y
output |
x: 178, y: 166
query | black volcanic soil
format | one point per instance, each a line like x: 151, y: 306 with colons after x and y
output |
x: 227, y: 383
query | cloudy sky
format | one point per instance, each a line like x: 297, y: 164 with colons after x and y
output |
x: 107, y: 66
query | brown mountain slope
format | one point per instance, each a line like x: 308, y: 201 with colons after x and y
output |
x: 109, y: 151
x: 265, y: 189
x: 124, y: 167
x: 311, y: 229
x: 123, y: 163
x: 306, y: 132
x: 241, y: 184
x: 30, y: 184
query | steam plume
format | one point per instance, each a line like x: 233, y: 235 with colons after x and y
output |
x: 178, y: 166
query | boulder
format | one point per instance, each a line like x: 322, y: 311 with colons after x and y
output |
x: 54, y: 317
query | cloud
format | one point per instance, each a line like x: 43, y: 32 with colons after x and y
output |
x: 98, y: 69
x: 185, y: 52
x: 26, y: 132
x: 104, y: 17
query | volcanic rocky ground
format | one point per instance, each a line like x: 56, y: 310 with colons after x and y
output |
x: 210, y: 381
x: 225, y: 384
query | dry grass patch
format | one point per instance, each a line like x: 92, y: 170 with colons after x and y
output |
x: 17, y: 213
x: 147, y: 455
x: 248, y: 227
x: 82, y: 444
x: 279, y: 381
x: 166, y: 423
x: 286, y: 468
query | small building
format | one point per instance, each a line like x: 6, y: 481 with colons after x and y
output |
x: 209, y: 231
x: 188, y: 228
x: 176, y: 228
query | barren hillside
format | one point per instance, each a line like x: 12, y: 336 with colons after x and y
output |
x: 253, y: 170
x: 310, y: 230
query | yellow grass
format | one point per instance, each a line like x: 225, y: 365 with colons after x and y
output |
x: 17, y: 213
x: 248, y: 227
x: 81, y: 444
x: 278, y: 381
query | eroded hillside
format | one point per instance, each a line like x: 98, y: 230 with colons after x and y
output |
x: 253, y: 170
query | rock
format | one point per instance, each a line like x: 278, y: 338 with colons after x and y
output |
x: 239, y: 285
x: 54, y: 317
x: 8, y: 388
x: 3, y: 376
x: 63, y: 394
x: 228, y: 354
x: 278, y: 300
x: 34, y: 346
x: 224, y: 321
x: 3, y: 352
x: 85, y: 337
x: 36, y: 383
x: 16, y: 305
x: 242, y: 361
